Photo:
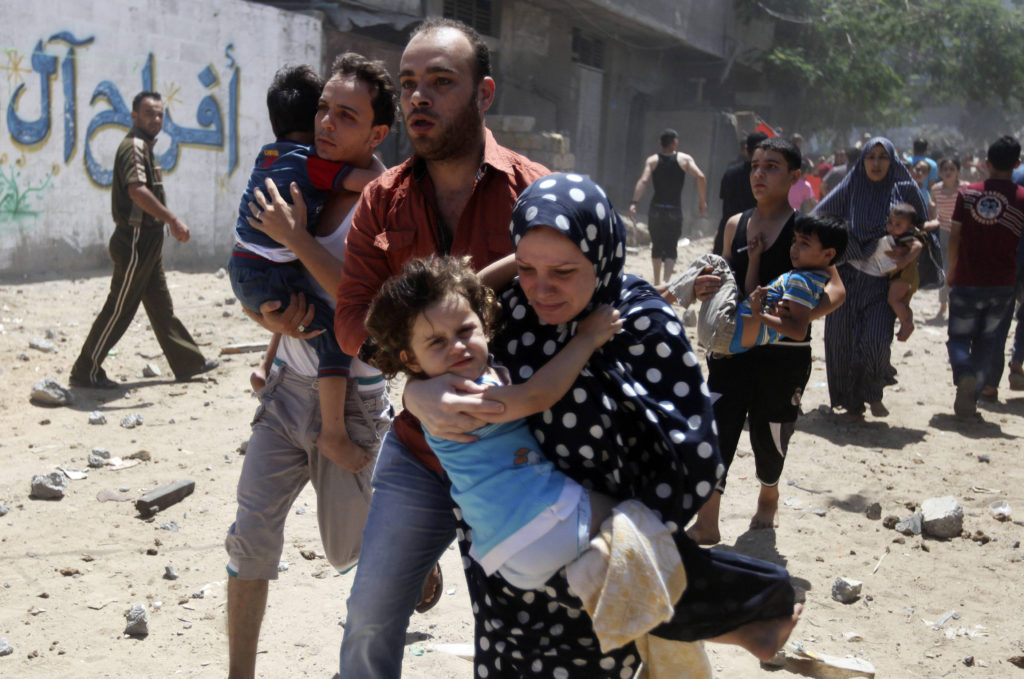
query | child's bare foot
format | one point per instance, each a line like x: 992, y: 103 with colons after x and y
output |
x: 767, y: 514
x: 704, y: 535
x: 906, y: 329
x: 762, y: 638
x: 341, y: 451
x: 258, y: 379
x: 878, y: 409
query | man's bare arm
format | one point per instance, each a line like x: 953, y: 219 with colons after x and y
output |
x: 954, y: 250
x: 497, y: 275
x: 641, y: 184
x: 688, y: 164
x: 288, y: 320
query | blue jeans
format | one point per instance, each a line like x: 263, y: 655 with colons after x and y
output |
x: 256, y: 280
x: 411, y: 523
x: 977, y: 329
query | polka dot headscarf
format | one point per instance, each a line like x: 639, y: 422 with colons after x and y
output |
x: 637, y: 422
x: 578, y: 209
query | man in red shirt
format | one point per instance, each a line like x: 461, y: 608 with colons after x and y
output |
x: 454, y: 196
x: 985, y: 231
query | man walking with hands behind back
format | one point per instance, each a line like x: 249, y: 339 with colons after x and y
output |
x: 139, y: 210
x: 667, y: 169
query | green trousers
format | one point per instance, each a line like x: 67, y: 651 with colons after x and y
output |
x: 138, y: 278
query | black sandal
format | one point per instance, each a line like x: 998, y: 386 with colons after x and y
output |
x: 432, y: 588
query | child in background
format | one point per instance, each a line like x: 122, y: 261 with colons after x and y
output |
x: 262, y: 270
x: 724, y: 327
x: 921, y: 170
x: 944, y: 193
x: 801, y: 194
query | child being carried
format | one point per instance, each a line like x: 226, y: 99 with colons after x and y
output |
x: 895, y: 256
x: 528, y: 519
x: 783, y: 308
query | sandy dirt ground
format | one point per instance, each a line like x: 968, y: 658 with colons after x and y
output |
x: 70, y: 569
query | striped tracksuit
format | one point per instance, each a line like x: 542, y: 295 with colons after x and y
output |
x: 136, y: 249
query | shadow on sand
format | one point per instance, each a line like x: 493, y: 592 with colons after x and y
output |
x: 866, y: 434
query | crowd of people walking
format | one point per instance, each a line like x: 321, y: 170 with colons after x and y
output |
x: 555, y: 408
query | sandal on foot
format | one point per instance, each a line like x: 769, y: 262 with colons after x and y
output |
x: 432, y: 588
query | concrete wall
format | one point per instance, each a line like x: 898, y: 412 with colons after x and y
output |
x: 70, y: 70
x: 702, y: 24
x: 642, y: 91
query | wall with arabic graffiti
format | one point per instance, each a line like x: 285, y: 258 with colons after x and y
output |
x: 68, y: 72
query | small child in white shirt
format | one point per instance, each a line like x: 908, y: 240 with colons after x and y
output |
x: 895, y: 256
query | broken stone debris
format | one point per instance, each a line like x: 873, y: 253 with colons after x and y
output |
x: 874, y: 511
x: 3, y: 510
x: 98, y: 457
x: 170, y: 573
x: 942, y: 517
x: 845, y: 590
x: 49, y: 486
x: 43, y: 345
x: 73, y: 474
x: 910, y: 525
x: 131, y: 421
x: 164, y: 496
x: 96, y: 417
x: 151, y: 370
x: 5, y: 647
x: 50, y: 392
x: 138, y: 621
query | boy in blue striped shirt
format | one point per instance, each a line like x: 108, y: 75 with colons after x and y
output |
x: 780, y: 309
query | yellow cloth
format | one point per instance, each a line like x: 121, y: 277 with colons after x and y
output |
x: 668, y: 659
x: 629, y: 581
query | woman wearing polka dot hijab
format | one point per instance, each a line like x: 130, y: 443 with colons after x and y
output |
x: 637, y: 423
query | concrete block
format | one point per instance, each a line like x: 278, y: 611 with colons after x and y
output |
x: 942, y: 517
x: 164, y: 496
